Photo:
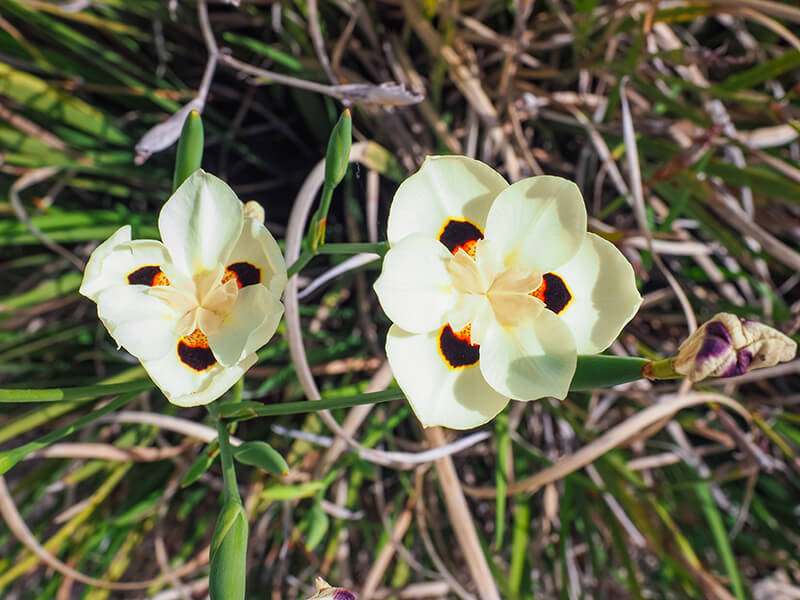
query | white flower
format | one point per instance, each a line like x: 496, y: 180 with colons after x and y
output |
x: 494, y: 290
x: 194, y: 309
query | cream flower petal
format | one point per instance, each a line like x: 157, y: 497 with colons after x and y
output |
x: 201, y: 223
x: 445, y: 188
x: 604, y: 296
x: 143, y: 324
x: 414, y: 287
x: 119, y: 261
x: 438, y: 394
x: 249, y: 325
x: 92, y: 275
x: 531, y: 360
x: 258, y: 248
x: 184, y: 386
x: 538, y: 222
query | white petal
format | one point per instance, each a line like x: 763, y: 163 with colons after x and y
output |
x: 201, y: 223
x: 185, y: 387
x: 529, y: 361
x: 438, y: 394
x: 538, y: 222
x: 142, y: 324
x: 445, y: 187
x: 120, y: 266
x: 249, y: 325
x: 604, y: 294
x: 93, y: 280
x: 414, y: 287
x: 257, y: 247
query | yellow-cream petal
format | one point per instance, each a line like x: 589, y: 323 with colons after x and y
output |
x: 538, y: 222
x: 458, y: 398
x: 445, y: 188
x: 93, y: 280
x: 185, y: 386
x: 531, y: 360
x: 249, y: 325
x: 258, y: 248
x: 201, y: 223
x: 142, y: 324
x: 414, y: 287
x: 604, y: 295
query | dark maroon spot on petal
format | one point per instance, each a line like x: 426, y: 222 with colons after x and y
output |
x: 149, y: 275
x: 554, y: 293
x: 456, y: 349
x: 194, y: 352
x: 460, y: 234
x: 717, y: 341
x: 743, y: 360
x: 244, y: 272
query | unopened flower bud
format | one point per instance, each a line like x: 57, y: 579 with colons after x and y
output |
x: 728, y: 345
x: 326, y: 592
x: 255, y: 210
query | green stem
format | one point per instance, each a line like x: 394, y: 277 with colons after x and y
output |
x: 661, y: 369
x: 251, y: 410
x: 305, y: 257
x: 298, y: 265
x: 378, y: 248
x: 77, y: 393
x: 226, y: 456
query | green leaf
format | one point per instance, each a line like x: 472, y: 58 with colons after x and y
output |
x: 292, y: 492
x: 40, y: 96
x: 200, y: 465
x: 318, y: 523
x: 770, y: 69
x: 263, y: 456
x: 190, y: 149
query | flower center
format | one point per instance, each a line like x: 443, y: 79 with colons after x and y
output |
x: 485, y: 282
x: 204, y: 301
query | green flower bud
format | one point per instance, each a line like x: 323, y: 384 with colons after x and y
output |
x: 228, y: 562
x: 190, y: 149
x: 337, y: 156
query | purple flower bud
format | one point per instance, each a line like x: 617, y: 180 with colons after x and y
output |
x: 727, y: 345
x: 326, y: 592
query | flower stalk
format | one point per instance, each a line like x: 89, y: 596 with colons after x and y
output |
x: 228, y: 560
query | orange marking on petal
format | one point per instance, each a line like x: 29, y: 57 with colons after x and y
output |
x: 554, y: 292
x: 245, y: 274
x: 460, y: 234
x: 195, y: 353
x: 160, y: 279
x: 456, y: 349
x: 149, y: 275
